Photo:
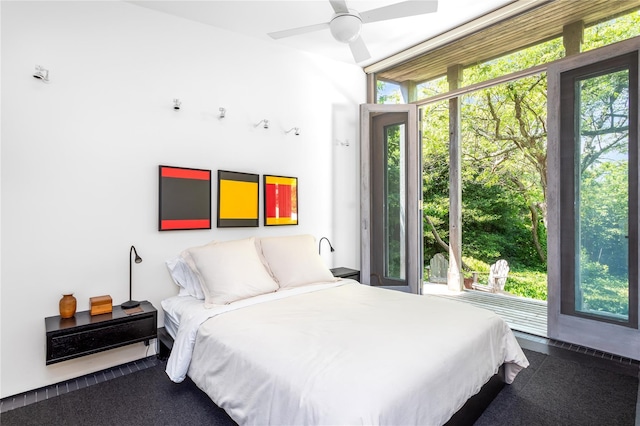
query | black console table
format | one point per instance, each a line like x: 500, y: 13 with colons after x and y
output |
x: 83, y: 334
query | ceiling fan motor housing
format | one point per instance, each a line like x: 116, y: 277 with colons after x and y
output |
x: 345, y: 27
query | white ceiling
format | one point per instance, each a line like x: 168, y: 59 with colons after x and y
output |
x: 256, y: 18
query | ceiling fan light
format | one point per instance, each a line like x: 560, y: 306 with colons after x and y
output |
x: 345, y: 28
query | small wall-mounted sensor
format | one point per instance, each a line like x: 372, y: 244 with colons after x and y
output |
x: 176, y: 104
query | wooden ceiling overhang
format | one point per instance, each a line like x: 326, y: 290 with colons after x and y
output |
x: 537, y: 25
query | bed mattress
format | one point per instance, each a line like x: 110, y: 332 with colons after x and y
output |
x: 177, y: 307
x: 344, y: 353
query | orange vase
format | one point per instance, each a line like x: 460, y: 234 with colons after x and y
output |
x: 67, y: 306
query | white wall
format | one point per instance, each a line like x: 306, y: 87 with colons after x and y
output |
x: 80, y: 156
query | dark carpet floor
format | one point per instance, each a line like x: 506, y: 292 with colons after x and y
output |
x: 552, y: 391
x: 573, y: 390
x: 145, y: 397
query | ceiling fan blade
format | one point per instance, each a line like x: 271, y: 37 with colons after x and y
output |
x: 339, y: 6
x: 359, y: 50
x: 297, y: 31
x: 399, y: 10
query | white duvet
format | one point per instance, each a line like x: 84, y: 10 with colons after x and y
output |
x: 343, y: 353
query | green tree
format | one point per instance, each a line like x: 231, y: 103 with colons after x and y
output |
x: 393, y: 214
x: 505, y: 135
x: 603, y: 215
x: 504, y: 144
x: 435, y: 177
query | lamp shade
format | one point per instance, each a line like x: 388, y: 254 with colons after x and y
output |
x: 345, y: 28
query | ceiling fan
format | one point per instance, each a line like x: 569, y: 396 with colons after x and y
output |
x: 345, y: 25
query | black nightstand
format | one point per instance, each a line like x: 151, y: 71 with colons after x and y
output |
x: 346, y: 273
x: 83, y: 334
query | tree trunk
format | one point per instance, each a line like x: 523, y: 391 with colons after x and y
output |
x: 534, y: 220
x: 534, y: 231
x: 441, y: 243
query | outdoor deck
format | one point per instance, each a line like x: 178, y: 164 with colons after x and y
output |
x: 521, y: 314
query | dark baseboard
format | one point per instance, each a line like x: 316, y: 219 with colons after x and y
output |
x: 584, y: 356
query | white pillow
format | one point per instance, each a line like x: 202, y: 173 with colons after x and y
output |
x: 184, y: 277
x: 192, y: 267
x: 294, y: 261
x: 230, y: 271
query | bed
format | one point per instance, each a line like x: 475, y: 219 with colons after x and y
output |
x: 313, y: 349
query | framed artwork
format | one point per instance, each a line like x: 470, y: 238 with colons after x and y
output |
x: 185, y: 199
x: 238, y: 202
x: 280, y: 200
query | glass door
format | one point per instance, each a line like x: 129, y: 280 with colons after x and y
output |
x: 391, y: 230
x: 601, y: 195
x: 593, y: 253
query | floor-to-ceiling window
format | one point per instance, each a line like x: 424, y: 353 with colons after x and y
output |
x: 593, y: 161
x: 504, y: 136
x: 503, y: 152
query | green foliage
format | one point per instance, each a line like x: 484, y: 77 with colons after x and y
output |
x: 603, y: 215
x: 394, y: 213
x: 388, y: 93
x: 504, y: 170
x: 527, y: 283
x: 606, y: 294
x: 432, y: 87
x: 502, y: 173
x: 526, y: 58
x: 618, y: 29
x: 493, y: 224
x: 523, y: 282
x: 476, y: 266
x: 602, y: 291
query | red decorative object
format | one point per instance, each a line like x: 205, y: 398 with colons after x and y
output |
x: 185, y: 199
x: 280, y: 200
